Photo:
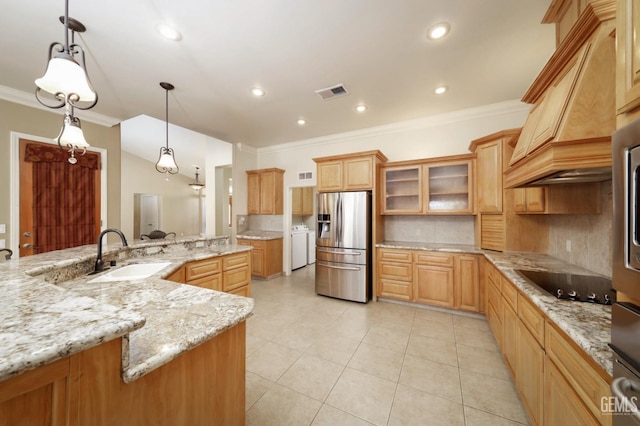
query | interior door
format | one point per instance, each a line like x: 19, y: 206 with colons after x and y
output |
x: 59, y: 202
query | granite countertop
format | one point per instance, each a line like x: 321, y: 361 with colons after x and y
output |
x: 587, y: 324
x: 51, y: 311
x: 253, y: 234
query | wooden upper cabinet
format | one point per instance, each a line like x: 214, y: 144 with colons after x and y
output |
x: 351, y: 172
x: 493, y: 153
x: 302, y: 201
x: 448, y: 187
x: 265, y: 191
x: 402, y: 190
x: 576, y: 198
x: 628, y: 56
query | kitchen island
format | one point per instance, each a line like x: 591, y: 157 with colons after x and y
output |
x: 144, y: 351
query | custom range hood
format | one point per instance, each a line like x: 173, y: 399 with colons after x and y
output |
x: 567, y: 135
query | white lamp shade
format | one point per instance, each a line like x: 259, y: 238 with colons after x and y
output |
x: 71, y: 135
x: 166, y: 161
x: 65, y: 75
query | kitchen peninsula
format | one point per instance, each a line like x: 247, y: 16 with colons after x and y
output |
x: 142, y: 351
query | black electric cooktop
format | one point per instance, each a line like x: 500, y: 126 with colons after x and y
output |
x: 573, y: 287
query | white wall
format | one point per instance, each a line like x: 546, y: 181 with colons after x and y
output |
x: 217, y: 153
x: 446, y: 134
x: 180, y: 205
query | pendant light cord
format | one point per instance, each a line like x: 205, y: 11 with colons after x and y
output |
x: 166, y: 103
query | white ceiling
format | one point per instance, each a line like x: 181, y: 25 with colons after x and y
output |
x: 290, y: 48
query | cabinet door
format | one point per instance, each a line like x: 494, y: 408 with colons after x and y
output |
x: 509, y: 333
x: 530, y: 372
x: 434, y: 285
x: 495, y: 313
x: 329, y: 176
x: 236, y: 278
x: 257, y: 262
x: 358, y: 174
x: 449, y: 188
x: 561, y: 404
x: 628, y: 55
x: 253, y: 193
x: 489, y: 173
x: 467, y: 282
x: 268, y: 199
x: 307, y: 201
x: 296, y: 201
x: 529, y: 200
x: 402, y: 190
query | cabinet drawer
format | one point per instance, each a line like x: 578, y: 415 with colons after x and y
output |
x: 242, y: 291
x: 394, y: 255
x: 395, y: 289
x: 510, y: 294
x: 433, y: 258
x: 582, y: 377
x: 202, y: 268
x: 396, y: 271
x: 235, y: 260
x: 532, y: 319
x: 234, y: 278
x: 212, y: 282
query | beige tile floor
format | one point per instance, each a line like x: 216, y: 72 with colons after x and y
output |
x: 313, y: 360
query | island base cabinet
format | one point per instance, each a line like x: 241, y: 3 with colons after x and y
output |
x: 37, y: 397
x: 204, y: 386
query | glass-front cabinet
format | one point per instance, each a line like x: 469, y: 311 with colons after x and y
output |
x: 449, y: 187
x: 402, y: 190
x: 442, y: 185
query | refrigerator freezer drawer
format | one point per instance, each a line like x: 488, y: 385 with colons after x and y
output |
x: 343, y: 281
x: 333, y: 254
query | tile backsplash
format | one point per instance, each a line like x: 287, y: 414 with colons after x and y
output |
x: 430, y: 229
x: 266, y: 222
x: 590, y: 236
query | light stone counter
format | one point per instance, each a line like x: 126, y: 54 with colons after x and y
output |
x: 587, y: 324
x: 50, y: 311
x: 260, y: 235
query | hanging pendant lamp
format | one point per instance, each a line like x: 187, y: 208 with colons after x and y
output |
x: 166, y: 161
x: 197, y: 185
x: 71, y: 137
x: 66, y: 80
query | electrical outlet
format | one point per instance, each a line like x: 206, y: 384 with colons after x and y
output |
x: 2, y: 243
x: 568, y: 246
x: 3, y: 228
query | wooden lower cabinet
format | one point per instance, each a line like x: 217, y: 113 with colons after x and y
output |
x: 435, y: 278
x: 558, y: 383
x: 561, y: 404
x: 266, y: 256
x: 529, y: 368
x: 230, y: 273
x: 434, y: 285
x: 37, y: 397
x: 205, y: 385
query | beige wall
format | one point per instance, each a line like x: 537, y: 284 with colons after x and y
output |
x: 180, y: 205
x: 47, y: 124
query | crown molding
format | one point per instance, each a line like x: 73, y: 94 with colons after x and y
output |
x: 484, y: 111
x: 28, y: 99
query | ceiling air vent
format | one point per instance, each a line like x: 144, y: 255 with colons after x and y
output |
x: 332, y: 92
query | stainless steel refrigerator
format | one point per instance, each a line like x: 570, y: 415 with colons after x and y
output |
x: 343, y: 245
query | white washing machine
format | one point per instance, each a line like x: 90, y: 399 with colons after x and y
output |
x: 299, y: 246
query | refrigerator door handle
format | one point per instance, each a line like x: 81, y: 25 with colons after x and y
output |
x: 351, y: 253
x: 339, y: 217
x: 346, y: 268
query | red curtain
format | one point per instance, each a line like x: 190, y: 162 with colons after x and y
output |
x: 64, y: 207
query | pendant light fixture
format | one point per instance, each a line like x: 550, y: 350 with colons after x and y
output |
x: 197, y: 186
x: 66, y: 80
x: 166, y: 161
x: 71, y: 138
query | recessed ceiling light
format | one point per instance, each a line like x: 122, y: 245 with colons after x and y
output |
x: 440, y: 90
x: 302, y: 122
x: 168, y: 31
x: 256, y: 91
x: 361, y: 108
x: 439, y: 30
